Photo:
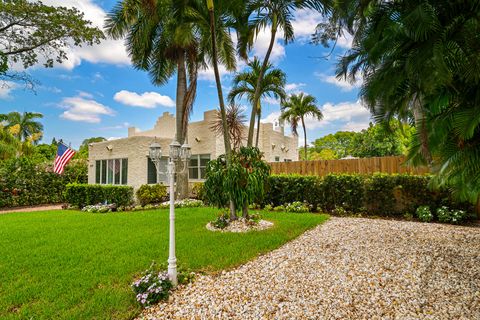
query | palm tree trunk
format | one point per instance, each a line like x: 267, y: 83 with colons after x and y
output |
x: 305, y: 137
x: 223, y: 113
x: 259, y: 115
x: 256, y: 96
x: 478, y: 207
x: 420, y: 124
x: 182, y: 176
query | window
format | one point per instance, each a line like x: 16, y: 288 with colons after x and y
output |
x: 152, y: 171
x: 113, y: 171
x: 277, y: 159
x: 197, y: 166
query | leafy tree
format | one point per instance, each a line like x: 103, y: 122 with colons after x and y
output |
x: 272, y: 85
x: 24, y: 125
x: 8, y: 144
x: 44, y: 153
x: 340, y: 143
x: 278, y: 15
x: 31, y: 32
x: 421, y: 63
x: 296, y: 108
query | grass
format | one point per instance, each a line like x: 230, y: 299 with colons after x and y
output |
x: 76, y: 265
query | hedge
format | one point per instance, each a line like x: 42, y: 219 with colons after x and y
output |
x: 377, y: 194
x: 81, y: 195
x: 24, y: 182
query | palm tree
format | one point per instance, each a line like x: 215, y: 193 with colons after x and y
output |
x: 420, y: 62
x: 167, y: 37
x: 235, y: 124
x: 278, y: 15
x: 272, y: 85
x: 24, y: 125
x: 294, y: 111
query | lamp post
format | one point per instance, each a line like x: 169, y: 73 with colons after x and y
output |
x: 177, y: 152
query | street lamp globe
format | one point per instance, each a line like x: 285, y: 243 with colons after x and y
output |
x: 155, y: 151
x: 175, y: 150
x: 185, y: 152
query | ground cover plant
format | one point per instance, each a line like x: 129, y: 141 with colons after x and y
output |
x: 76, y: 265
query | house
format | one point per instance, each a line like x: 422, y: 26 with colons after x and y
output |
x: 126, y: 162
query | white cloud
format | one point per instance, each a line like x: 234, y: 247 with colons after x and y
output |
x: 272, y: 117
x: 84, y: 109
x: 108, y: 51
x: 6, y: 87
x: 271, y: 101
x: 345, y: 41
x: 344, y: 85
x: 304, y: 24
x: 294, y: 87
x: 145, y: 100
x: 355, y: 126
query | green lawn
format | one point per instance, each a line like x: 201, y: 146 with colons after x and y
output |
x: 75, y: 265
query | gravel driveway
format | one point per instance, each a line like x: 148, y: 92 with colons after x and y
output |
x: 347, y: 268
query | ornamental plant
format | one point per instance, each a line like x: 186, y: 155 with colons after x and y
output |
x: 297, y: 207
x: 424, y: 214
x: 243, y: 181
x: 152, y: 287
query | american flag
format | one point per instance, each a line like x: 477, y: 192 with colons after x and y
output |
x: 64, y: 154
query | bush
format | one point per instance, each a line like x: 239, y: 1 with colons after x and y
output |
x: 24, y: 182
x: 297, y: 207
x: 424, y: 214
x: 100, y: 208
x: 376, y: 194
x: 90, y: 194
x: 152, y: 287
x: 221, y: 222
x: 149, y: 194
x: 197, y: 191
x: 445, y: 215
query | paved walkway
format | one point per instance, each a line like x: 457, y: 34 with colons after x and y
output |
x: 34, y: 208
x: 348, y: 268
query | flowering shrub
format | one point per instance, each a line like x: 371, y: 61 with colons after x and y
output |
x: 424, y: 214
x: 152, y: 287
x: 339, y: 211
x: 221, y: 222
x: 453, y: 216
x: 185, y: 203
x: 268, y: 207
x: 297, y: 207
x: 279, y: 209
x: 100, y: 208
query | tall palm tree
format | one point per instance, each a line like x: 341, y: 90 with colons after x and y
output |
x: 296, y: 108
x: 26, y: 127
x: 235, y: 123
x: 166, y: 38
x: 272, y: 85
x: 278, y: 15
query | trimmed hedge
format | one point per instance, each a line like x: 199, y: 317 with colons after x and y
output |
x: 150, y: 194
x: 377, y: 194
x: 81, y: 195
x: 24, y: 182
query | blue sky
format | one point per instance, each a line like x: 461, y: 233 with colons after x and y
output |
x: 97, y: 93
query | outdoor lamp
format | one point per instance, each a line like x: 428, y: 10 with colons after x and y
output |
x: 185, y: 151
x: 155, y: 151
x: 175, y: 150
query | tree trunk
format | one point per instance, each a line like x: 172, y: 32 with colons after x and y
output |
x: 223, y: 113
x: 256, y: 96
x: 305, y: 137
x: 182, y: 175
x: 259, y: 115
x: 478, y: 207
x: 420, y: 124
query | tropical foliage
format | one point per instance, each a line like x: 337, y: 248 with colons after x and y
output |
x: 296, y: 108
x: 235, y: 123
x: 272, y: 85
x: 420, y: 63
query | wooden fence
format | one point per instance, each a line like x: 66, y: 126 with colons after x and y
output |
x: 361, y: 166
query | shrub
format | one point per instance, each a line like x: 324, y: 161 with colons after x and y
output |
x: 342, y: 190
x: 90, y: 194
x: 100, y: 208
x: 152, y: 287
x: 279, y: 209
x: 268, y: 207
x: 24, y: 182
x: 221, y: 222
x: 282, y: 189
x: 446, y: 215
x: 197, y: 191
x: 424, y: 214
x: 154, y: 193
x: 297, y: 207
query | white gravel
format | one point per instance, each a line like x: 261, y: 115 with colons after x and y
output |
x: 347, y: 268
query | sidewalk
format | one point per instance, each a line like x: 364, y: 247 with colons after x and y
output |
x: 33, y: 208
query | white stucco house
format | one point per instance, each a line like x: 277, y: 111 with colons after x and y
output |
x: 125, y: 161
